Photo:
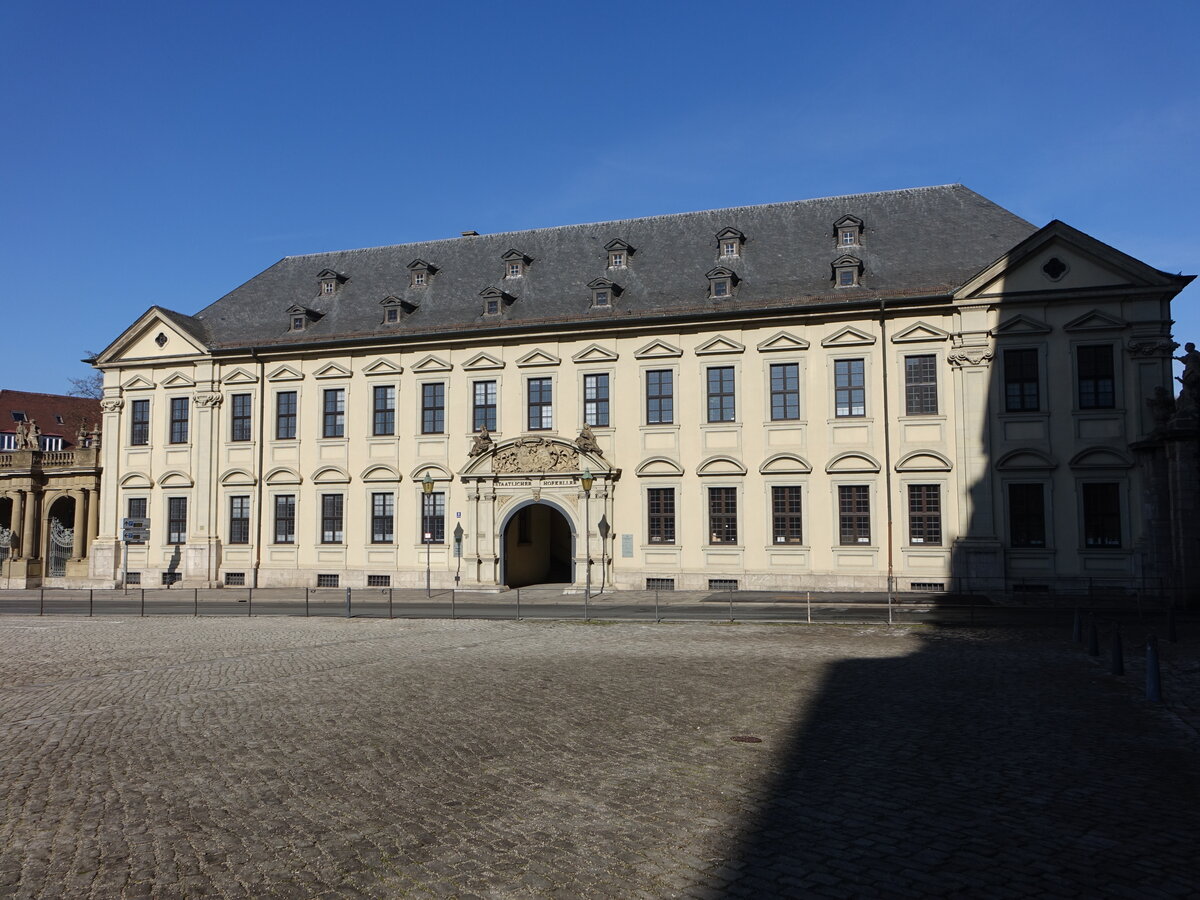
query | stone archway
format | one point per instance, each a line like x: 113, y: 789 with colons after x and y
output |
x: 537, y: 546
x: 59, y: 536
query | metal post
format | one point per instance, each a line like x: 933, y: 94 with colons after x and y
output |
x: 518, y: 604
x: 347, y: 602
x: 808, y: 604
x: 889, y: 589
x: 389, y: 602
x: 125, y: 577
x: 731, y: 603
x: 306, y: 602
x: 41, y: 601
x: 428, y: 549
x: 453, y: 611
x: 587, y: 553
x: 143, y: 590
x: 89, y: 602
x: 249, y: 602
x: 196, y: 605
x: 656, y: 618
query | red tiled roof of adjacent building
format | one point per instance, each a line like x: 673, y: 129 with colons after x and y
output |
x: 56, y: 415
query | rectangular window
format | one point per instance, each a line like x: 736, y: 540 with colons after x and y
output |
x: 849, y: 388
x: 720, y: 394
x: 1026, y: 516
x: 334, y: 422
x: 433, y: 408
x: 541, y: 404
x: 383, y: 515
x: 722, y: 515
x: 924, y: 514
x: 433, y: 518
x: 285, y: 415
x: 785, y: 391
x: 1096, y: 385
x: 327, y: 580
x: 595, y: 400
x: 1101, y: 516
x: 380, y: 581
x: 176, y: 520
x: 239, y: 417
x: 285, y: 518
x: 483, y: 409
x: 661, y: 505
x: 920, y: 385
x: 139, y: 422
x: 384, y: 410
x: 660, y: 397
x: 854, y: 513
x: 239, y: 520
x: 179, y: 420
x: 137, y: 510
x: 1021, y: 381
x: 332, y: 506
x: 785, y: 515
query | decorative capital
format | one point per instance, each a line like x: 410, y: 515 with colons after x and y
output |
x: 112, y: 404
x: 211, y: 400
x: 1150, y: 347
x: 972, y: 357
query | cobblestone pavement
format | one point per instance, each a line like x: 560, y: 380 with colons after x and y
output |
x: 333, y: 758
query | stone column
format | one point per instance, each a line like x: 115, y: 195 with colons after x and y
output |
x: 104, y: 548
x: 18, y: 525
x: 79, y: 526
x: 29, y: 547
x: 93, y: 519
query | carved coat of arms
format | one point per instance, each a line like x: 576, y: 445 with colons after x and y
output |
x: 535, y: 454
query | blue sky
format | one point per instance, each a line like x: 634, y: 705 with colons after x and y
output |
x: 163, y: 153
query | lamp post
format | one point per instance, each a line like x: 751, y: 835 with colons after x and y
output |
x: 426, y: 523
x: 586, y: 481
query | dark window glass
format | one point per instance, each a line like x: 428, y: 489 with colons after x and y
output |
x: 854, y: 513
x: 334, y: 421
x: 383, y: 515
x: 137, y: 510
x: 433, y: 517
x: 239, y: 520
x: 920, y: 385
x: 660, y: 397
x: 720, y: 394
x: 1026, y: 516
x: 1096, y: 386
x: 176, y: 520
x: 595, y: 399
x: 483, y: 411
x: 1101, y: 516
x: 240, y: 420
x: 785, y: 391
x: 331, y: 519
x: 1021, y: 380
x: 541, y: 404
x: 384, y: 413
x: 139, y: 422
x: 785, y: 515
x: 924, y: 514
x: 722, y: 515
x: 849, y: 388
x: 285, y: 415
x: 285, y: 518
x: 433, y: 408
x: 179, y: 420
x: 661, y: 504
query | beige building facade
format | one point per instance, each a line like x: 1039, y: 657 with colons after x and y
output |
x: 914, y: 386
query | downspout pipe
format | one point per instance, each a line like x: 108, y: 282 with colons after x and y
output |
x: 887, y: 448
x: 260, y: 513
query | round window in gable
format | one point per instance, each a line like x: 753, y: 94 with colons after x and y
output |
x: 161, y: 340
x: 1055, y: 268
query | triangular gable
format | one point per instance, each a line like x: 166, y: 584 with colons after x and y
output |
x: 482, y: 362
x: 918, y: 333
x: 1100, y: 458
x: 285, y: 373
x: 594, y: 353
x: 138, y: 383
x: 924, y: 461
x: 720, y: 465
x: 720, y: 344
x: 1020, y: 325
x: 782, y: 340
x: 538, y: 357
x: 177, y: 380
x: 785, y: 464
x: 152, y: 336
x: 1096, y: 321
x: 1061, y: 258
x: 852, y: 462
x: 1026, y: 460
x: 382, y: 366
x: 239, y: 376
x: 332, y: 370
x: 848, y: 337
x: 432, y: 363
x: 657, y: 350
x: 657, y: 467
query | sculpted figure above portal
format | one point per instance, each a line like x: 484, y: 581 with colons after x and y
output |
x: 535, y: 454
x: 481, y: 443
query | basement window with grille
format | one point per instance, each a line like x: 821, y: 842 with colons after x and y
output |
x: 660, y: 584
x: 327, y: 581
x: 722, y: 584
x: 133, y: 578
x: 170, y: 578
x: 235, y: 579
x: 932, y: 586
x: 379, y: 581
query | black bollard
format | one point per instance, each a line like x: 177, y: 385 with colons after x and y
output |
x: 1118, y: 653
x: 1153, y: 677
x: 1093, y: 639
x: 1077, y: 628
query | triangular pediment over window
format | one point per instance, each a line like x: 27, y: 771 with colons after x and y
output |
x: 848, y: 337
x: 177, y: 380
x: 782, y: 340
x: 157, y: 334
x: 285, y: 373
x: 1096, y: 321
x: 382, y: 366
x: 239, y: 376
x: 1020, y: 325
x: 432, y: 363
x: 921, y: 332
x: 594, y: 353
x: 538, y: 357
x: 658, y: 350
x: 720, y: 344
x: 138, y: 383
x: 482, y: 362
x: 332, y: 370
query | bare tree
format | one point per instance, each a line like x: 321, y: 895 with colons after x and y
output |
x: 90, y: 385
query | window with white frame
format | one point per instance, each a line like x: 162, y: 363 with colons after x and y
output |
x: 595, y: 399
x: 541, y: 404
x: 383, y: 515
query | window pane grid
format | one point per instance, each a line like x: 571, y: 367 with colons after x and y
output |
x: 850, y: 393
x: 384, y: 410
x: 660, y: 397
x: 383, y: 516
x: 541, y: 406
x: 661, y: 506
x: 720, y: 394
x: 240, y: 421
x: 176, y: 520
x: 920, y: 385
x: 785, y: 391
x: 179, y: 420
x: 285, y: 415
x: 335, y: 413
x: 924, y: 514
x: 433, y: 517
x: 1096, y: 384
x: 484, y: 411
x: 239, y: 520
x: 595, y: 400
x: 1026, y: 516
x: 139, y: 422
x: 854, y: 513
x: 785, y: 515
x: 722, y: 515
x: 1021, y: 380
x: 1101, y: 516
x: 433, y: 408
x: 331, y: 519
x: 285, y: 519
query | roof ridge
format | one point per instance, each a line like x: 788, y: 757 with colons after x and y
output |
x: 660, y: 217
x: 44, y: 394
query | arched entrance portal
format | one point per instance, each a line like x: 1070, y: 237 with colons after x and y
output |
x: 539, y: 547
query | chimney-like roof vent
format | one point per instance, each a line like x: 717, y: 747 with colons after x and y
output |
x: 470, y: 234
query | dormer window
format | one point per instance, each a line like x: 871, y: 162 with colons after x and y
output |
x: 327, y: 287
x: 298, y: 323
x: 393, y: 307
x: 515, y: 263
x: 603, y: 292
x: 618, y: 253
x: 299, y: 318
x: 391, y: 315
x: 329, y: 281
x: 729, y: 243
x: 721, y: 282
x: 847, y: 270
x: 848, y: 231
x: 420, y: 273
x: 495, y: 301
x: 491, y: 307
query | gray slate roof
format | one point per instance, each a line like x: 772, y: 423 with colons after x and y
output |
x: 916, y: 242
